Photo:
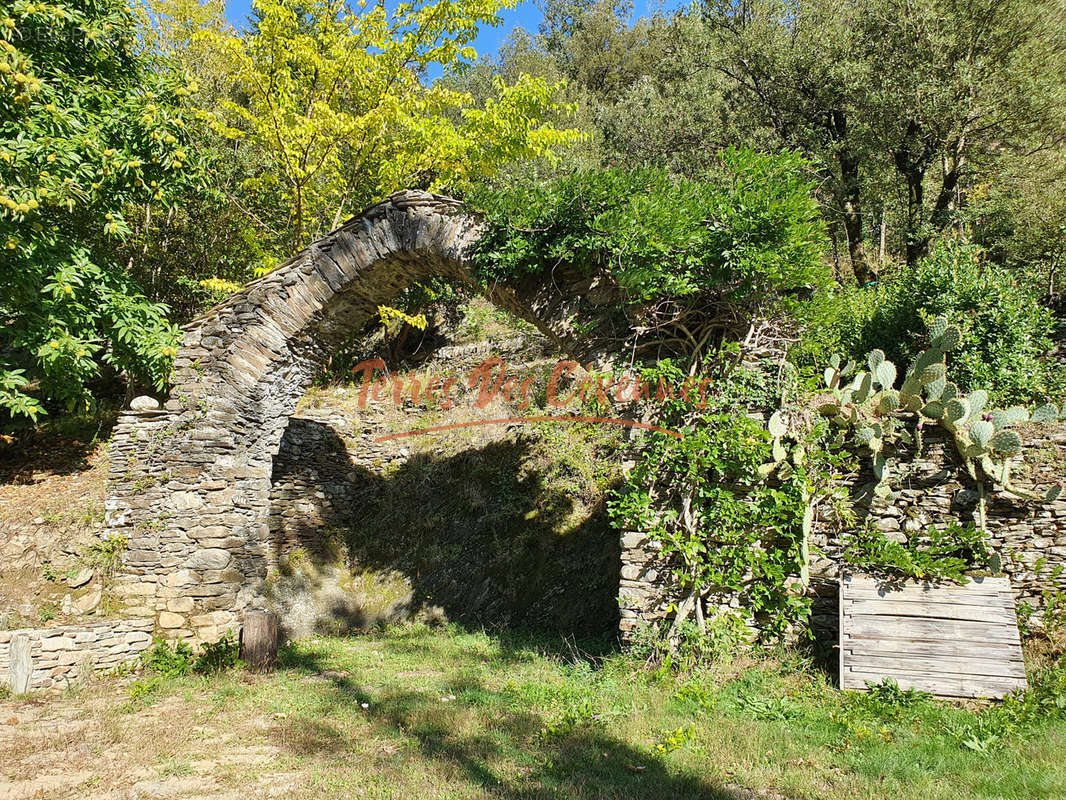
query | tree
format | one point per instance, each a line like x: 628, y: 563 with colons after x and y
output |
x: 964, y: 84
x: 800, y: 67
x: 89, y: 127
x: 933, y: 90
x: 334, y: 104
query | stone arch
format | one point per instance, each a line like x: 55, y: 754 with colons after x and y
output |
x: 190, y: 482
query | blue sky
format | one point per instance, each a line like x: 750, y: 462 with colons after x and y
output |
x: 525, y: 15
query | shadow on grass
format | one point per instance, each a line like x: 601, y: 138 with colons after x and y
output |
x: 60, y: 446
x: 573, y: 758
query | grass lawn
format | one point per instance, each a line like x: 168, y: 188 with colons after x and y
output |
x: 444, y: 713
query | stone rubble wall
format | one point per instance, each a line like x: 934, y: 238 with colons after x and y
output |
x: 190, y: 483
x: 934, y: 489
x: 645, y: 586
x: 66, y: 655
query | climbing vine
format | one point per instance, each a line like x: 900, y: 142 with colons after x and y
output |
x: 688, y: 257
x: 732, y: 502
x: 727, y: 530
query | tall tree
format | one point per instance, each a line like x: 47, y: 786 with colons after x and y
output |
x: 800, y: 68
x: 962, y: 84
x: 90, y: 128
x: 334, y: 102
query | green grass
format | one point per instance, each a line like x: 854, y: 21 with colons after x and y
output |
x: 446, y: 713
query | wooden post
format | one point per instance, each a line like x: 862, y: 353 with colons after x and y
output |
x: 259, y: 640
x: 20, y: 659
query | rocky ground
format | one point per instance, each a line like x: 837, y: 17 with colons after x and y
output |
x: 52, y: 488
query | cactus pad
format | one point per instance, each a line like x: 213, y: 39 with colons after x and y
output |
x: 933, y: 410
x: 1048, y: 412
x: 1006, y: 443
x: 981, y: 431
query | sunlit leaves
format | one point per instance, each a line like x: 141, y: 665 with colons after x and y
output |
x: 335, y: 101
x: 88, y: 131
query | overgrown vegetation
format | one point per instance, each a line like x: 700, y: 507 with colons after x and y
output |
x: 701, y: 498
x: 748, y: 233
x: 930, y: 555
x: 1005, y: 334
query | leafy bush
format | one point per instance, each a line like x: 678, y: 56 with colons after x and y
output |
x: 694, y: 648
x: 90, y: 131
x: 933, y: 555
x: 218, y: 656
x: 889, y: 693
x: 702, y: 498
x: 749, y: 234
x: 175, y: 661
x: 1044, y: 700
x: 1005, y: 332
x: 169, y: 661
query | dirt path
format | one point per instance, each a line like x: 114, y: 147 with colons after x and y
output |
x: 93, y: 745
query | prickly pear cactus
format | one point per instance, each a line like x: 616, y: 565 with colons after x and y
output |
x: 873, y: 409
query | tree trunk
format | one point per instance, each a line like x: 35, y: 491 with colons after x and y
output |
x: 946, y: 201
x: 917, y: 238
x: 259, y: 640
x: 852, y: 205
x: 912, y: 160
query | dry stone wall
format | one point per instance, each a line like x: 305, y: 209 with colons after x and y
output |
x: 934, y: 489
x: 57, y: 657
x: 190, y: 482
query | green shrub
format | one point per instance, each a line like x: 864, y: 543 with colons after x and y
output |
x: 701, y: 497
x: 834, y: 323
x: 694, y: 648
x: 889, y: 693
x: 1005, y: 331
x: 218, y: 656
x: 748, y: 234
x: 933, y: 555
x: 170, y: 661
x: 175, y: 661
x: 1043, y: 701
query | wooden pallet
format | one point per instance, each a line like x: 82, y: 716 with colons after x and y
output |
x: 948, y: 639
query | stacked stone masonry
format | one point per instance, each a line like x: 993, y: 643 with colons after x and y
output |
x: 934, y: 489
x: 190, y: 483
x: 64, y: 656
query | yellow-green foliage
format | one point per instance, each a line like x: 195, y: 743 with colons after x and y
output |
x: 332, y: 103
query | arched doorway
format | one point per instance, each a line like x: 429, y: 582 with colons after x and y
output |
x: 190, y: 482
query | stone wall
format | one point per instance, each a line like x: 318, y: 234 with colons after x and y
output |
x: 934, y: 489
x: 62, y: 656
x: 191, y: 481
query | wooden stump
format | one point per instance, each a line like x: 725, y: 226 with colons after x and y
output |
x: 259, y: 640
